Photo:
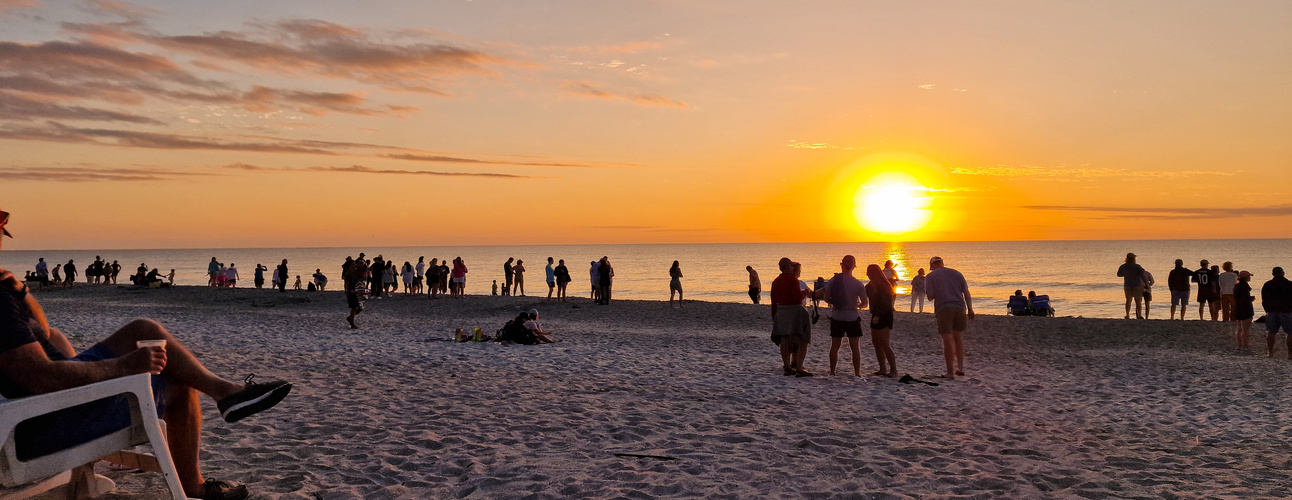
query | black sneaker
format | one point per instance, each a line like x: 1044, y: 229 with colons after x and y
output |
x: 220, y: 490
x: 254, y: 399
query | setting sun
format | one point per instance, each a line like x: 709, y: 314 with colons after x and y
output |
x: 892, y: 203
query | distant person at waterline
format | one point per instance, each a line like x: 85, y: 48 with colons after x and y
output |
x: 791, y: 326
x: 212, y: 272
x: 755, y: 286
x: 407, y: 275
x: 1148, y: 290
x: 1178, y: 283
x: 320, y: 281
x: 1208, y: 292
x: 259, y: 276
x: 508, y: 276
x: 846, y: 296
x: 459, y: 277
x: 1225, y: 282
x: 917, y: 290
x: 890, y: 273
x: 675, y: 284
x: 1132, y: 276
x: 282, y: 276
x: 1276, y: 299
x: 518, y: 274
x: 231, y: 276
x: 952, y: 308
x: 606, y: 276
x: 562, y: 279
x: 42, y: 271
x: 69, y: 273
x: 550, y: 274
x: 1243, y: 310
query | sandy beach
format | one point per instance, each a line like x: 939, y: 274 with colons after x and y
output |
x: 1051, y: 407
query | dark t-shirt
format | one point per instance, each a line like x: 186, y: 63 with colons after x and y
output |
x: 1132, y: 274
x: 18, y: 327
x: 1208, y: 282
x: 1276, y: 295
x: 506, y: 270
x: 881, y: 298
x: 786, y: 291
x: 1179, y: 279
x: 282, y: 273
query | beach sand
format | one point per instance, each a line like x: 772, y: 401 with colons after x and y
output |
x: 1051, y: 408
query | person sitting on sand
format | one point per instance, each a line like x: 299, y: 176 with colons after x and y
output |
x: 791, y: 327
x: 1036, y: 310
x: 846, y: 295
x: 880, y: 293
x: 952, y: 307
x: 1243, y: 310
x: 38, y: 359
x: 1276, y: 299
x: 532, y: 324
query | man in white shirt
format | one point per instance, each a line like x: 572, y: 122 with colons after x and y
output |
x: 231, y: 276
x: 846, y: 295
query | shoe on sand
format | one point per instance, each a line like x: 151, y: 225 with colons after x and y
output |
x: 804, y: 373
x: 220, y: 490
x: 254, y: 399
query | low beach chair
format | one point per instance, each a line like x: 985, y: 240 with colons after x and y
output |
x: 1041, y: 306
x: 70, y: 473
x: 1018, y: 306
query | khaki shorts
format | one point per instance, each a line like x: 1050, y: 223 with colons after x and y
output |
x: 951, y: 320
x: 1134, y: 292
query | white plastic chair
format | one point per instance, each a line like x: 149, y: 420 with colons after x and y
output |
x: 71, y: 470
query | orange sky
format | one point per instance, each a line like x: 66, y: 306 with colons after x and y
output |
x: 128, y: 125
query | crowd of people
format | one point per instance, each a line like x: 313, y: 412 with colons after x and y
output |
x: 98, y: 272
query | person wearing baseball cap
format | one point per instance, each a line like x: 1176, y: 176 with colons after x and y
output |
x: 952, y: 308
x: 37, y: 359
x: 1276, y: 299
x: 1243, y: 310
x: 1132, y: 276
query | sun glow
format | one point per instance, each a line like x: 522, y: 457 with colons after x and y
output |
x: 892, y: 203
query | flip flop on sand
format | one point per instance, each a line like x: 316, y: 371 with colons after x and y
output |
x: 881, y: 373
x: 804, y: 373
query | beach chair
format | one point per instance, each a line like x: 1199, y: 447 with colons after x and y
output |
x: 70, y: 473
x: 1018, y: 306
x: 1041, y: 306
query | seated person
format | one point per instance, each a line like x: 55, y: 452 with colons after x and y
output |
x: 37, y: 359
x: 153, y: 276
x: 537, y: 329
x: 1040, y: 304
x: 1019, y: 305
x: 320, y: 281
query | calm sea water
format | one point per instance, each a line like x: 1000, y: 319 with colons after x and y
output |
x: 1079, y: 276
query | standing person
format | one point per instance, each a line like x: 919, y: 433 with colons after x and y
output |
x: 550, y: 273
x: 116, y: 269
x: 1208, y: 295
x: 1243, y: 310
x: 351, y: 275
x: 562, y: 279
x: 675, y: 284
x: 407, y: 277
x: 212, y: 270
x: 519, y: 272
x: 297, y: 284
x: 421, y: 273
x: 1225, y: 283
x: 1178, y: 282
x: 1132, y: 275
x: 605, y: 273
x: 880, y: 293
x: 273, y: 281
x: 846, y: 296
x: 890, y: 273
x: 1148, y: 290
x: 433, y: 278
x: 56, y: 277
x: 376, y: 277
x: 917, y: 290
x: 755, y: 286
x: 390, y: 278
x: 231, y: 275
x: 259, y: 276
x: 952, y: 307
x: 594, y: 272
x: 282, y: 276
x: 459, y: 277
x: 94, y: 270
x: 1276, y: 299
x: 42, y: 270
x: 69, y: 273
x: 507, y: 275
x: 791, y: 327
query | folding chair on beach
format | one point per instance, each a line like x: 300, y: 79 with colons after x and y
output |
x: 1018, y: 306
x: 1041, y: 306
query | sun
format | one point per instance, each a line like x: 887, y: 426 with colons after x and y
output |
x: 892, y: 203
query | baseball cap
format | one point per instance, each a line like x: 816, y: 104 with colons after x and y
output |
x: 1244, y: 275
x: 1129, y: 255
x: 935, y: 259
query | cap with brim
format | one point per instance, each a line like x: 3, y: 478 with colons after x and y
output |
x: 935, y: 259
x: 534, y: 312
x: 1244, y: 275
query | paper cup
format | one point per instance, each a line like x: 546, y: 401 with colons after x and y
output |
x: 151, y: 343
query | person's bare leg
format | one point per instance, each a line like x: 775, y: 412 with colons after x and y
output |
x: 1146, y: 303
x: 800, y: 356
x: 835, y: 342
x: 960, y: 352
x: 1200, y: 306
x: 854, y: 345
x: 679, y: 299
x: 787, y: 358
x: 181, y: 366
x: 1215, y: 311
x: 1128, y: 304
x: 184, y: 436
x: 1138, y: 306
x: 949, y: 355
x: 1173, y: 310
x: 876, y: 341
x: 1269, y: 344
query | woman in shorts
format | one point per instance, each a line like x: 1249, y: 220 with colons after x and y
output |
x: 675, y: 284
x: 880, y: 293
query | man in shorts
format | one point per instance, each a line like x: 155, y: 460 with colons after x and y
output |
x: 37, y: 359
x: 952, y: 307
x: 755, y: 286
x: 551, y: 278
x: 507, y: 275
x: 1132, y: 276
x: 1276, y: 299
x: 1178, y: 283
x: 1208, y: 294
x: 846, y: 295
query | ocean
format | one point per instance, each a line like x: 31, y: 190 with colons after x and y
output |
x: 1079, y: 276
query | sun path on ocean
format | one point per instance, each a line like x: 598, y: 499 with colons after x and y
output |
x: 892, y: 203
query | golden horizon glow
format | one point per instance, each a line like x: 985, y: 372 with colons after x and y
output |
x: 892, y: 203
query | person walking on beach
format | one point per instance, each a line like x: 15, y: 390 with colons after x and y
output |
x: 69, y: 273
x: 1243, y: 310
x: 755, y: 286
x: 282, y: 276
x: 258, y: 277
x: 352, y: 274
x: 1148, y: 290
x: 56, y: 274
x: 116, y: 269
x: 880, y: 293
x: 846, y: 295
x: 675, y: 284
x: 594, y: 273
x: 518, y: 272
x: 212, y: 271
x: 562, y: 279
x: 952, y: 307
x: 550, y: 274
x: 507, y: 274
x: 1208, y: 293
x: 791, y: 327
x: 1276, y: 299
x: 917, y: 290
x: 1225, y: 283
x: 231, y: 276
x: 1178, y: 283
x: 1132, y: 275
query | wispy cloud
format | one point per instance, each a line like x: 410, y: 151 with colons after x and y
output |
x: 454, y: 159
x: 814, y: 145
x: 13, y: 107
x: 91, y: 174
x: 361, y: 169
x: 589, y: 89
x: 7, y: 6
x: 1187, y: 213
x: 1081, y: 173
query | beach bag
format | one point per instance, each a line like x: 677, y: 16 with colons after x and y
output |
x: 311, y: 287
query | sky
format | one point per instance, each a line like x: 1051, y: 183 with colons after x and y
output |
x: 325, y: 123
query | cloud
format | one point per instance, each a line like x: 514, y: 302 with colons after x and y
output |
x: 589, y: 89
x: 1081, y: 173
x: 13, y: 107
x: 814, y: 145
x: 453, y: 159
x: 88, y: 174
x: 927, y: 86
x: 1173, y: 213
x: 360, y: 169
x: 7, y: 6
x: 624, y: 48
x: 55, y: 132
